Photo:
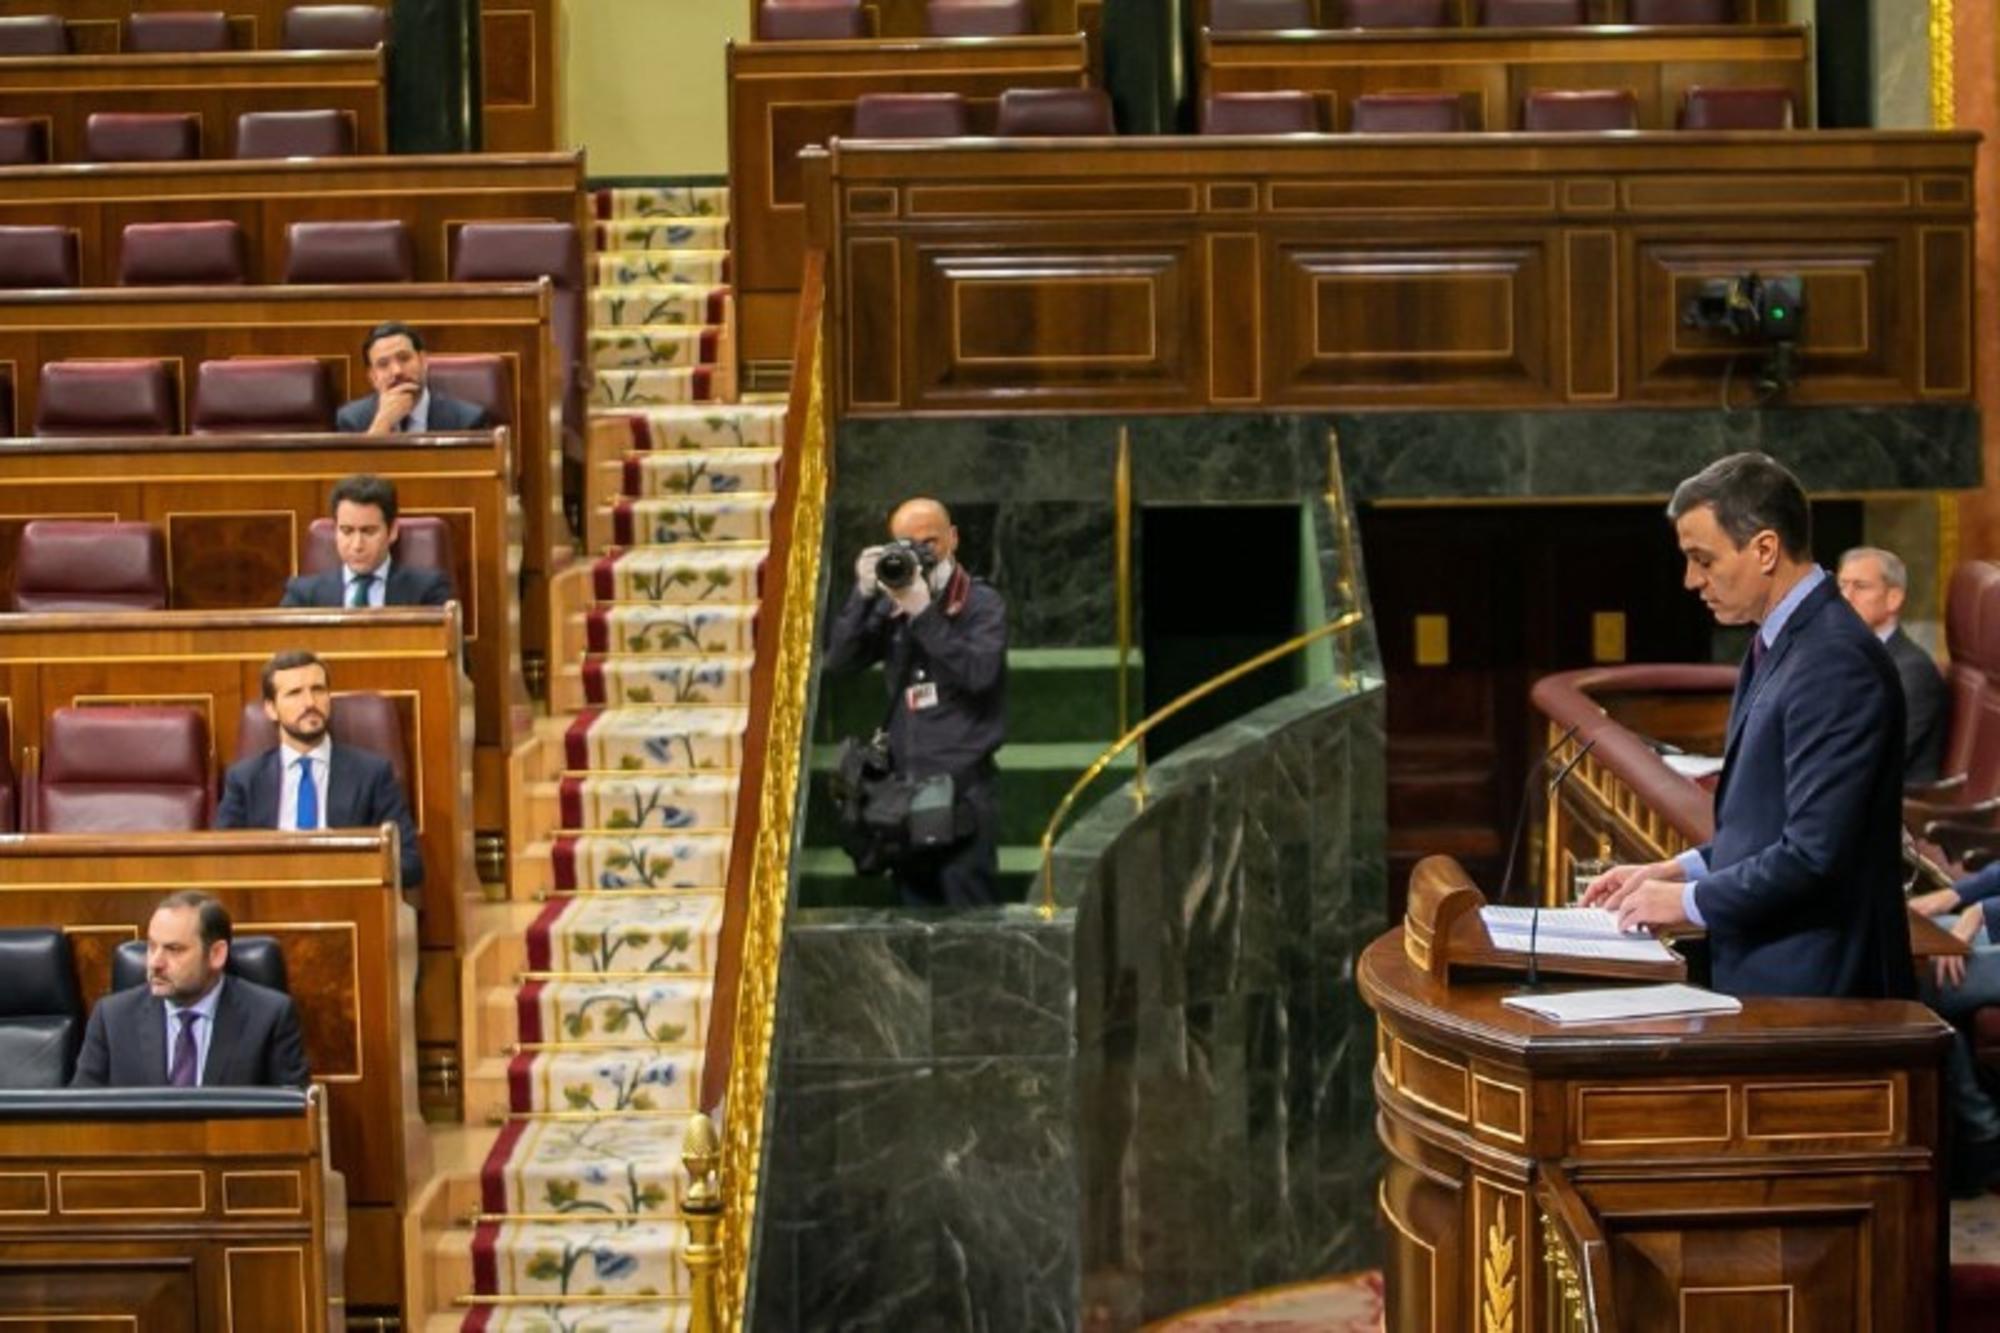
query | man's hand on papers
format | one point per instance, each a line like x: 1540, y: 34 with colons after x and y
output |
x: 1608, y: 890
x: 1653, y: 903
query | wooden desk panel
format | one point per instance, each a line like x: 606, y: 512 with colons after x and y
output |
x: 1494, y: 69
x: 784, y: 96
x: 217, y: 86
x: 434, y: 195
x: 1333, y: 271
x: 331, y: 902
x: 1466, y: 13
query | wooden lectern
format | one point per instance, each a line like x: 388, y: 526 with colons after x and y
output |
x: 1775, y: 1169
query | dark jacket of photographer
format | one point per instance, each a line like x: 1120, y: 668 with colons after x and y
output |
x: 958, y: 644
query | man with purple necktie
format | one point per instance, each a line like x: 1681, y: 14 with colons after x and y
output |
x: 191, y: 1024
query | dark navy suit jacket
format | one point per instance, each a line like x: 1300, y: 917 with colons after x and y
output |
x: 1804, y: 890
x: 362, y: 792
x: 445, y: 414
x: 256, y: 1042
x: 408, y: 586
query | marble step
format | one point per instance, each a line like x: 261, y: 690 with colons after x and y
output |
x: 685, y: 520
x: 635, y: 348
x: 659, y: 268
x: 681, y: 678
x: 618, y: 202
x: 662, y: 233
x: 655, y: 738
x: 664, y: 1078
x: 704, y: 427
x: 656, y: 476
x: 720, y: 578
x: 648, y: 388
x: 643, y: 306
x: 603, y: 862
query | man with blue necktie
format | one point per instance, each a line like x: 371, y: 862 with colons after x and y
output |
x: 369, y: 576
x: 307, y: 782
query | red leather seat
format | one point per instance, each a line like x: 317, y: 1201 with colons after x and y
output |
x: 294, y: 134
x: 476, y: 377
x: 178, y: 254
x: 910, y: 116
x: 1408, y: 113
x: 185, y: 30
x: 811, y: 21
x: 10, y: 786
x: 121, y: 770
x: 1533, y: 14
x: 34, y: 35
x: 121, y: 136
x: 262, y: 395
x: 336, y: 27
x: 1259, y: 15
x: 1579, y: 110
x: 132, y: 397
x: 7, y: 406
x: 369, y: 721
x: 522, y: 252
x: 1664, y: 12
x: 978, y: 18
x: 1055, y: 113
x: 335, y: 252
x: 1396, y: 14
x: 423, y: 541
x: 23, y: 142
x: 1972, y: 673
x: 79, y: 565
x: 1290, y: 112
x: 1757, y: 108
x: 38, y: 257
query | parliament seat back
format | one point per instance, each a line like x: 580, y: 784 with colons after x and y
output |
x: 34, y: 35
x: 1666, y: 12
x: 86, y: 565
x: 1259, y: 15
x: 1408, y: 113
x: 1055, y: 113
x: 23, y: 142
x: 121, y: 770
x: 1972, y: 672
x: 365, y: 721
x: 262, y: 395
x: 10, y: 786
x: 340, y: 252
x: 141, y: 136
x: 1740, y: 108
x: 324, y: 133
x: 335, y: 27
x: 1533, y: 13
x: 39, y: 257
x: 476, y: 377
x: 183, y: 254
x: 423, y: 541
x: 811, y: 21
x: 255, y: 958
x: 910, y: 116
x: 115, y: 397
x: 1579, y: 110
x: 1395, y: 13
x: 978, y: 18
x: 177, y: 32
x: 522, y: 252
x: 41, y: 1008
x: 1287, y: 112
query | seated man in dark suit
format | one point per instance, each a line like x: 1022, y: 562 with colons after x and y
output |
x: 364, y: 528
x: 191, y: 1025
x: 403, y: 403
x: 1874, y: 582
x: 307, y: 782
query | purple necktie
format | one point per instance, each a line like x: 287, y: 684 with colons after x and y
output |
x: 1756, y: 651
x: 181, y: 1074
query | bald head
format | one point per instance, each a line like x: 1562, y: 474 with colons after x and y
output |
x: 921, y: 519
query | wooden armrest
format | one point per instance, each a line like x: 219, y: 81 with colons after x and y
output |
x: 1959, y: 838
x: 1922, y: 814
x: 1981, y: 857
x: 1941, y: 790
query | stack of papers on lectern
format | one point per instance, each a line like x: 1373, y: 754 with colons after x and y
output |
x: 1625, y: 1004
x: 1570, y: 932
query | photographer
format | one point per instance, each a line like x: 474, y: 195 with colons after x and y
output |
x: 942, y: 636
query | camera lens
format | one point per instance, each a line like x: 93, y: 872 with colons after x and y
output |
x: 896, y: 568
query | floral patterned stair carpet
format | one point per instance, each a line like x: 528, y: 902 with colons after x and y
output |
x: 577, y: 1228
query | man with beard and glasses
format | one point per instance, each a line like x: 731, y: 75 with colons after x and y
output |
x: 403, y: 403
x: 307, y: 782
x: 191, y: 1025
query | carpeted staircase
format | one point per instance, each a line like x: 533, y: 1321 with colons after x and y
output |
x: 556, y: 1208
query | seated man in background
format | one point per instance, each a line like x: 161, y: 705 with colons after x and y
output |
x: 1875, y: 582
x: 364, y: 528
x: 192, y: 1025
x: 1957, y: 988
x: 403, y: 403
x: 307, y: 782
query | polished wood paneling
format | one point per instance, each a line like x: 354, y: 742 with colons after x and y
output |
x: 1471, y: 270
x: 784, y: 96
x: 434, y: 195
x: 217, y: 86
x: 1466, y: 13
x: 905, y: 18
x: 303, y: 889
x: 1493, y: 69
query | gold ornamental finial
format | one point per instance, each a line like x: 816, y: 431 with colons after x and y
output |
x: 701, y: 1209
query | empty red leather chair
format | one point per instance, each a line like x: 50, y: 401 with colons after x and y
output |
x: 910, y: 116
x: 1533, y: 13
x: 1408, y: 113
x: 38, y: 257
x: 1055, y: 112
x: 481, y: 378
x: 294, y: 134
x: 1663, y: 12
x: 1737, y: 109
x: 7, y: 426
x: 186, y: 30
x: 262, y: 395
x: 978, y: 18
x: 10, y: 786
x: 121, y: 136
x: 334, y: 252
x: 179, y: 254
x: 335, y: 27
x: 23, y: 142
x: 121, y: 770
x: 1261, y: 113
x: 1579, y: 110
x: 1969, y: 677
x: 1259, y: 15
x: 811, y: 21
x: 367, y: 720
x: 34, y: 35
x: 1395, y: 13
x: 72, y: 565
x: 129, y: 397
x: 522, y: 252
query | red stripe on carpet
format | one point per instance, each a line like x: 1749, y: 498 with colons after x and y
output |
x: 642, y: 431
x: 593, y: 683
x: 601, y: 199
x: 718, y: 306
x: 621, y: 523
x: 634, y: 480
x: 576, y: 741
x: 562, y: 859
x: 597, y: 631
x: 711, y: 340
x: 528, y: 1011
x: 569, y: 795
x: 704, y: 384
x: 485, y: 1256
x: 1975, y: 1298
x: 476, y: 1319
x: 520, y: 1083
x: 604, y: 580
x: 539, y: 952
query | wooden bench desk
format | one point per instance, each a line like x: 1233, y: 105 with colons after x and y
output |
x: 1468, y: 13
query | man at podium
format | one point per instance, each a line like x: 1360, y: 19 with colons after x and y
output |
x: 1800, y: 889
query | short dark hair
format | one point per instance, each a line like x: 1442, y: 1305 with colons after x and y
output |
x: 390, y: 329
x: 364, y: 488
x: 1750, y: 492
x: 289, y: 660
x: 211, y: 916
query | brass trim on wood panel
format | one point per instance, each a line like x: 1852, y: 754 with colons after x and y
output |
x: 1403, y: 1228
x: 41, y: 1180
x: 352, y: 930
x: 289, y: 1177
x: 1964, y: 386
x: 290, y: 516
x: 1405, y: 268
x: 1888, y: 1105
x: 63, y: 1179
x: 1787, y: 1288
x: 958, y: 282
x: 1583, y: 1095
x: 1404, y: 1052
x: 1520, y: 1096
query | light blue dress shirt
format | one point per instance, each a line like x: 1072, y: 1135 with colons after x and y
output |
x: 321, y: 757
x: 378, y: 591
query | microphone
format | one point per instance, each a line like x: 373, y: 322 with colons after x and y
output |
x: 1521, y: 816
x: 1534, y: 981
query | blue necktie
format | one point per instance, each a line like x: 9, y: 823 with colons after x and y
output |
x: 181, y: 1073
x: 308, y: 796
x: 357, y: 591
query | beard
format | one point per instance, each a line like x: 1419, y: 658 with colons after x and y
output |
x: 309, y: 730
